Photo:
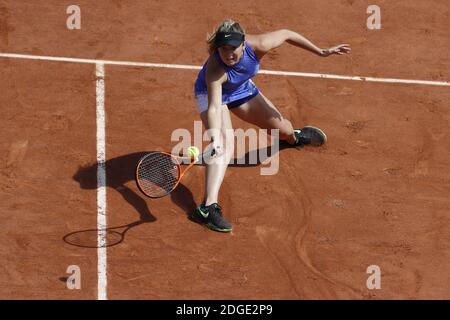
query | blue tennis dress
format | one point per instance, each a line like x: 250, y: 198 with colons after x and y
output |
x: 238, y: 86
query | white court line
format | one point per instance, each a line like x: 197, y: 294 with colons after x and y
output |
x: 101, y: 183
x: 95, y: 61
x: 356, y: 78
x: 190, y: 67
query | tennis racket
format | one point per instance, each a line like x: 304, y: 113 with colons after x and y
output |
x: 159, y: 173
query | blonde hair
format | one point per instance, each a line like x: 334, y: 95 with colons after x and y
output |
x: 227, y: 25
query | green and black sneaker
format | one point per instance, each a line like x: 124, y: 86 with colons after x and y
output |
x: 212, y: 217
x: 310, y: 135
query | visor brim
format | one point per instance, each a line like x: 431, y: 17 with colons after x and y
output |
x: 231, y: 42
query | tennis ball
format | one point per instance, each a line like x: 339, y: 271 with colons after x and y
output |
x: 193, y: 152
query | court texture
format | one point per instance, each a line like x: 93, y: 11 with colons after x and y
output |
x: 80, y: 107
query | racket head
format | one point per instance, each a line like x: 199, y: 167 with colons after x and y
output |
x: 157, y: 174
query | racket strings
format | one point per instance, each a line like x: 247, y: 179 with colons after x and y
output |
x: 158, y: 174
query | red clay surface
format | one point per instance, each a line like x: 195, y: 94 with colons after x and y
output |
x: 377, y: 194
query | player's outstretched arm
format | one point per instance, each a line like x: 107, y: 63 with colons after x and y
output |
x: 265, y: 42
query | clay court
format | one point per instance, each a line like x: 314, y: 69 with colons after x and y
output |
x: 376, y: 194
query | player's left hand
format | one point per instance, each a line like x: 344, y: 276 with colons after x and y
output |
x: 340, y: 50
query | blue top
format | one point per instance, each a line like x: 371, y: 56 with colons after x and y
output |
x: 238, y: 84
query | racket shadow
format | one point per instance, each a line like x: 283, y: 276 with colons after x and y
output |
x: 110, y: 237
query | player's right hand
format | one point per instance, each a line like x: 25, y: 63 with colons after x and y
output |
x: 217, y: 148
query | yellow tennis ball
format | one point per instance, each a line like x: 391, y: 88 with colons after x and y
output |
x: 193, y: 152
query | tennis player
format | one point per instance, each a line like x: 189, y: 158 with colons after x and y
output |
x: 224, y: 84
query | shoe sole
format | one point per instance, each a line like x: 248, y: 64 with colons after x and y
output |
x: 320, y: 132
x: 213, y: 227
x: 208, y: 224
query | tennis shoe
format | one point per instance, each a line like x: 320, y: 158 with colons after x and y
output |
x: 211, y: 216
x: 309, y: 135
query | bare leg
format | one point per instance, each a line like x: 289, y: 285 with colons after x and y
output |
x: 215, y: 169
x: 261, y: 112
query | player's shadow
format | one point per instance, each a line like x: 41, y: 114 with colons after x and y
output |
x: 183, y: 197
x: 257, y: 157
x: 121, y: 170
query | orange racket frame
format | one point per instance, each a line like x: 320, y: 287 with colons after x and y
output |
x: 175, y: 161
